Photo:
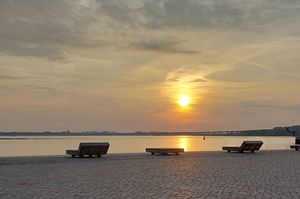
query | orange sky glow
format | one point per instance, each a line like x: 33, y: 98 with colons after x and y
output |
x: 126, y: 65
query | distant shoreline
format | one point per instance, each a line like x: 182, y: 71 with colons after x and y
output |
x: 20, y: 137
x: 277, y: 131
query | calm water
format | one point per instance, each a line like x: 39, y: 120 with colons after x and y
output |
x: 130, y: 144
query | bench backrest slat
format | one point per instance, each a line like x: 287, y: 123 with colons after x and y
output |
x: 251, y: 145
x: 93, y: 148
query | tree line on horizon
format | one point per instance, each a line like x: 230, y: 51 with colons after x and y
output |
x: 277, y: 131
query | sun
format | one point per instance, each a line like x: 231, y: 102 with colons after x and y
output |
x: 184, y: 101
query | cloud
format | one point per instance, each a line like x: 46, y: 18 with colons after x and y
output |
x: 39, y: 87
x: 48, y: 29
x: 217, y: 52
x: 41, y: 29
x: 24, y: 48
x: 243, y: 72
x: 186, y: 74
x: 200, y: 14
x: 270, y: 104
x: 163, y: 45
x: 6, y: 76
x: 284, y: 58
x: 10, y: 77
x: 198, y: 80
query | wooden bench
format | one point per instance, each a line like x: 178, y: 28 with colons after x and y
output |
x: 246, y: 146
x: 165, y: 151
x: 90, y: 149
x: 296, y: 147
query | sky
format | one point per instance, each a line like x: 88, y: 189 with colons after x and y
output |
x: 85, y: 65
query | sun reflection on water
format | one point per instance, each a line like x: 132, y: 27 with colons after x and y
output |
x: 183, y: 143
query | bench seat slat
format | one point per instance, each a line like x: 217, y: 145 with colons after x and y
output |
x: 165, y: 150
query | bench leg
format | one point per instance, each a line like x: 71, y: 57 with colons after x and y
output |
x: 73, y: 156
x: 152, y: 153
x: 252, y: 151
x: 176, y: 153
x: 228, y: 151
x: 90, y: 156
x: 98, y: 156
x: 296, y: 148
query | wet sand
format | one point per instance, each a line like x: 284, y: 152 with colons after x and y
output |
x: 266, y: 174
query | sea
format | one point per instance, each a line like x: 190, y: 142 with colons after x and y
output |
x: 57, y: 145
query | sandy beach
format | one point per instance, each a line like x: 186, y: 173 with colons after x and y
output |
x: 266, y: 174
